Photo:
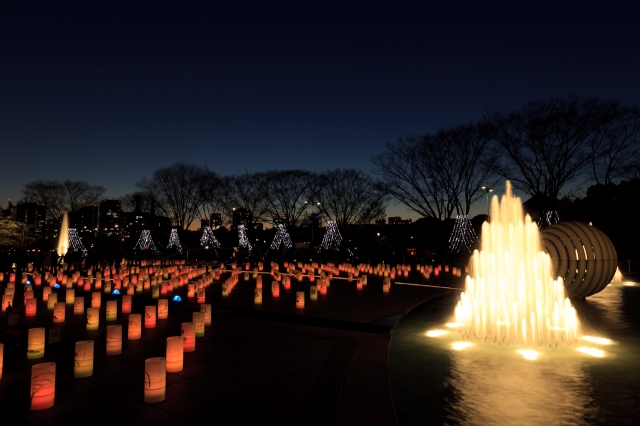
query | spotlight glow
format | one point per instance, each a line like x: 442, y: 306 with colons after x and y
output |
x: 629, y: 283
x: 592, y: 351
x: 598, y: 340
x: 458, y: 346
x: 435, y: 333
x: 529, y: 354
x: 454, y: 325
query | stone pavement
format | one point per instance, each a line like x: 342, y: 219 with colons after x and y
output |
x: 257, y: 364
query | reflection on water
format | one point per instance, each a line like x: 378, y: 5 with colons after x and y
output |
x: 484, y: 384
x: 508, y: 389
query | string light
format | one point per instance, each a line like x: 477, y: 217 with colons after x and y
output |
x: 332, y: 237
x: 145, y: 242
x: 208, y: 239
x: 549, y: 217
x: 462, y: 233
x: 75, y: 241
x: 242, y: 238
x: 174, y: 241
x: 282, y: 237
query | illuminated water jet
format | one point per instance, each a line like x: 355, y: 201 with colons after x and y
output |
x: 510, y: 296
x: 63, y: 237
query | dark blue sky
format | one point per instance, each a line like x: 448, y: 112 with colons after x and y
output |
x: 109, y: 93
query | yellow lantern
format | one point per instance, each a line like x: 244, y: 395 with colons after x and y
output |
x: 175, y: 354
x: 43, y: 385
x: 83, y: 366
x: 96, y: 299
x: 51, y: 302
x: 198, y: 321
x: 114, y: 339
x: 257, y: 296
x: 206, y: 310
x: 163, y: 308
x: 78, y: 306
x: 313, y: 292
x: 112, y: 310
x: 149, y: 317
x: 155, y: 379
x: 93, y: 319
x: 134, y: 330
x: 35, y: 343
x: 58, y: 312
x: 70, y: 296
x: 201, y: 296
x: 46, y: 291
x: 188, y: 331
x: 155, y: 291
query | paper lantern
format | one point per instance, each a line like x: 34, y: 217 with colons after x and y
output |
x: 225, y: 289
x: 275, y: 289
x: 30, y: 307
x: 134, y: 330
x: 112, y: 310
x: 257, y: 296
x: 191, y: 290
x: 155, y: 291
x: 188, y: 331
x: 58, y: 312
x: 149, y: 317
x: 206, y: 310
x: 35, y: 343
x: 96, y: 299
x: 175, y: 354
x: 70, y: 296
x: 83, y: 366
x: 78, y: 306
x: 1, y: 358
x: 93, y: 319
x: 359, y: 284
x: 114, y: 339
x: 198, y: 321
x: 201, y: 296
x: 300, y: 299
x: 313, y: 292
x: 139, y: 287
x: 52, y: 300
x: 6, y: 301
x: 163, y: 308
x: 155, y: 379
x: 97, y: 283
x: 28, y: 294
x: 126, y: 304
x: 43, y: 385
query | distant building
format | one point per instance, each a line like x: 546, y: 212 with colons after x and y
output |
x: 32, y: 214
x: 85, y: 220
x: 242, y: 217
x: 279, y: 220
x: 9, y: 211
x: 382, y: 221
x: 109, y: 216
x: 397, y: 220
x: 215, y: 220
x: 258, y: 226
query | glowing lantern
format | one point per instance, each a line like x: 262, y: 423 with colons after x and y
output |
x: 163, y: 308
x: 107, y: 287
x: 155, y: 379
x: 28, y: 294
x: 138, y: 287
x: 286, y: 281
x: 192, y: 290
x: 98, y: 283
x: 35, y: 343
x: 93, y: 319
x: 6, y: 301
x: 70, y: 296
x: 275, y: 289
x: 87, y: 285
x: 300, y: 299
x: 188, y: 331
x: 364, y: 280
x: 134, y: 330
x: 96, y: 299
x: 83, y: 366
x: 130, y: 290
x: 51, y: 302
x: 43, y: 385
x: 155, y: 291
x: 31, y: 306
x: 58, y: 312
x: 257, y: 296
x: 359, y: 284
x: 126, y: 304
x: 313, y: 292
x: 114, y: 339
x: 112, y: 310
x: 149, y: 317
x: 78, y: 306
x: 198, y: 321
x: 206, y: 310
x: 163, y: 289
x: 225, y: 289
x: 175, y: 354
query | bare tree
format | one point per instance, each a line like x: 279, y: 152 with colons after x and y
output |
x: 546, y: 143
x: 245, y: 191
x: 351, y: 197
x: 289, y: 193
x: 61, y: 197
x: 438, y: 174
x: 136, y: 200
x: 15, y: 234
x: 177, y: 191
x: 616, y: 142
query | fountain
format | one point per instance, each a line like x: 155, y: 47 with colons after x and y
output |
x: 510, y: 296
x: 63, y: 237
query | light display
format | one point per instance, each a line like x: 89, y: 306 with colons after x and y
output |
x: 83, y: 365
x: 242, y: 238
x: 332, y: 237
x: 43, y: 385
x: 145, y: 242
x: 208, y: 239
x: 549, y: 217
x: 155, y: 379
x: 114, y: 340
x: 174, y: 241
x: 282, y: 237
x: 75, y: 241
x: 462, y: 234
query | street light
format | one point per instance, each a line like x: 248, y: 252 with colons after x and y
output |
x: 487, y: 190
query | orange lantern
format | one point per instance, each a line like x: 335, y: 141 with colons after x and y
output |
x: 35, y: 343
x: 43, y: 385
x: 149, y: 317
x: 163, y: 308
x: 78, y: 306
x: 155, y: 379
x: 175, y: 354
x: 58, y: 312
x: 83, y: 365
x: 188, y: 332
x: 114, y: 339
x: 134, y: 330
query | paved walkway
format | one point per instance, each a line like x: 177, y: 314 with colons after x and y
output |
x: 256, y: 364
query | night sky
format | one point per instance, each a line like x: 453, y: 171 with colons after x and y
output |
x: 109, y: 93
